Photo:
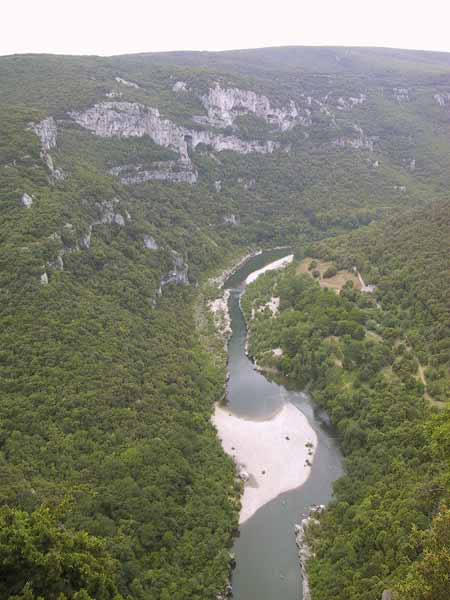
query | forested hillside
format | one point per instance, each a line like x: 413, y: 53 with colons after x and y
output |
x: 378, y: 363
x: 124, y: 183
x: 408, y: 258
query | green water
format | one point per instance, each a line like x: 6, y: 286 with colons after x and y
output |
x: 266, y: 555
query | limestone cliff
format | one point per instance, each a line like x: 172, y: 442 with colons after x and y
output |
x: 224, y: 105
x: 130, y: 119
x: 47, y: 131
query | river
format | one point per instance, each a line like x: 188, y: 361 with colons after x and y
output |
x: 266, y: 556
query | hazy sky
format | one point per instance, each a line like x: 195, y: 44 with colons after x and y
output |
x: 110, y: 27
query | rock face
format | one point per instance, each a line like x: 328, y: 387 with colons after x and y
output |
x: 224, y: 105
x: 360, y: 142
x: 350, y: 102
x: 179, y: 86
x: 168, y: 170
x: 231, y: 219
x: 178, y: 275
x: 150, y: 243
x: 126, y: 83
x: 387, y: 595
x: 401, y: 95
x: 222, y: 319
x: 230, y: 142
x: 26, y: 200
x: 47, y: 131
x: 442, y: 99
x: 304, y: 552
x: 130, y: 119
x: 108, y: 215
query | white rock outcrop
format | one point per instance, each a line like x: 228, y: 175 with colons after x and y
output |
x: 113, y: 94
x: 150, y: 243
x: 222, y: 319
x: 231, y: 219
x: 47, y: 132
x: 26, y: 200
x: 360, y: 142
x: 178, y: 275
x: 44, y: 279
x: 224, y: 105
x: 131, y: 119
x: 169, y: 170
x: 443, y: 98
x: 126, y: 83
x: 108, y: 215
x: 304, y: 552
x: 350, y: 102
x: 179, y: 86
x: 401, y: 94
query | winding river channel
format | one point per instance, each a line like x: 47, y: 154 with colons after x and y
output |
x: 266, y: 556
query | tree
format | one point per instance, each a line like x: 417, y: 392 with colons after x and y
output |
x: 429, y: 577
x: 40, y: 558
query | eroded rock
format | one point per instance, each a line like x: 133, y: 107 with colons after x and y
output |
x: 26, y: 200
x: 231, y: 219
x: 304, y: 551
x: 47, y: 132
x: 168, y: 170
x: 150, y: 243
x: 130, y: 119
x: 179, y: 86
x: 178, y: 275
x: 126, y: 83
x: 443, y: 99
x: 401, y: 94
x: 360, y: 142
x: 224, y: 105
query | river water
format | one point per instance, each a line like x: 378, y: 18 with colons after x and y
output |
x: 266, y: 556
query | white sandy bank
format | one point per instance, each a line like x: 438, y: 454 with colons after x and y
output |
x: 276, y: 264
x: 272, y: 452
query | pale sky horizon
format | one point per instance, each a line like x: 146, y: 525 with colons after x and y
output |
x: 105, y: 28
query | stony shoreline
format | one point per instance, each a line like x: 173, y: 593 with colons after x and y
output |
x: 304, y: 551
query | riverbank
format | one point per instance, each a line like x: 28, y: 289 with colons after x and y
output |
x: 273, y: 456
x: 276, y: 264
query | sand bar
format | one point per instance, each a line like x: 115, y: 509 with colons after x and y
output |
x: 272, y: 452
x: 276, y: 264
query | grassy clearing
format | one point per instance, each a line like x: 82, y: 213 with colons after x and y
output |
x: 336, y: 282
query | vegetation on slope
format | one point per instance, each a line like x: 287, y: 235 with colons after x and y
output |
x: 408, y: 258
x: 356, y: 354
x: 106, y: 448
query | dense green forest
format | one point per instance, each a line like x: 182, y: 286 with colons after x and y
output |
x: 113, y: 482
x: 408, y: 258
x: 360, y: 355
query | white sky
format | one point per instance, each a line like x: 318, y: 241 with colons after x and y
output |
x: 109, y: 27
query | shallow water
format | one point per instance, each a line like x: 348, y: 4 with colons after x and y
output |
x: 266, y: 555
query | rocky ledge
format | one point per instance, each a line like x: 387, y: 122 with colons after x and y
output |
x: 131, y: 119
x: 47, y: 131
x: 304, y: 551
x: 224, y: 105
